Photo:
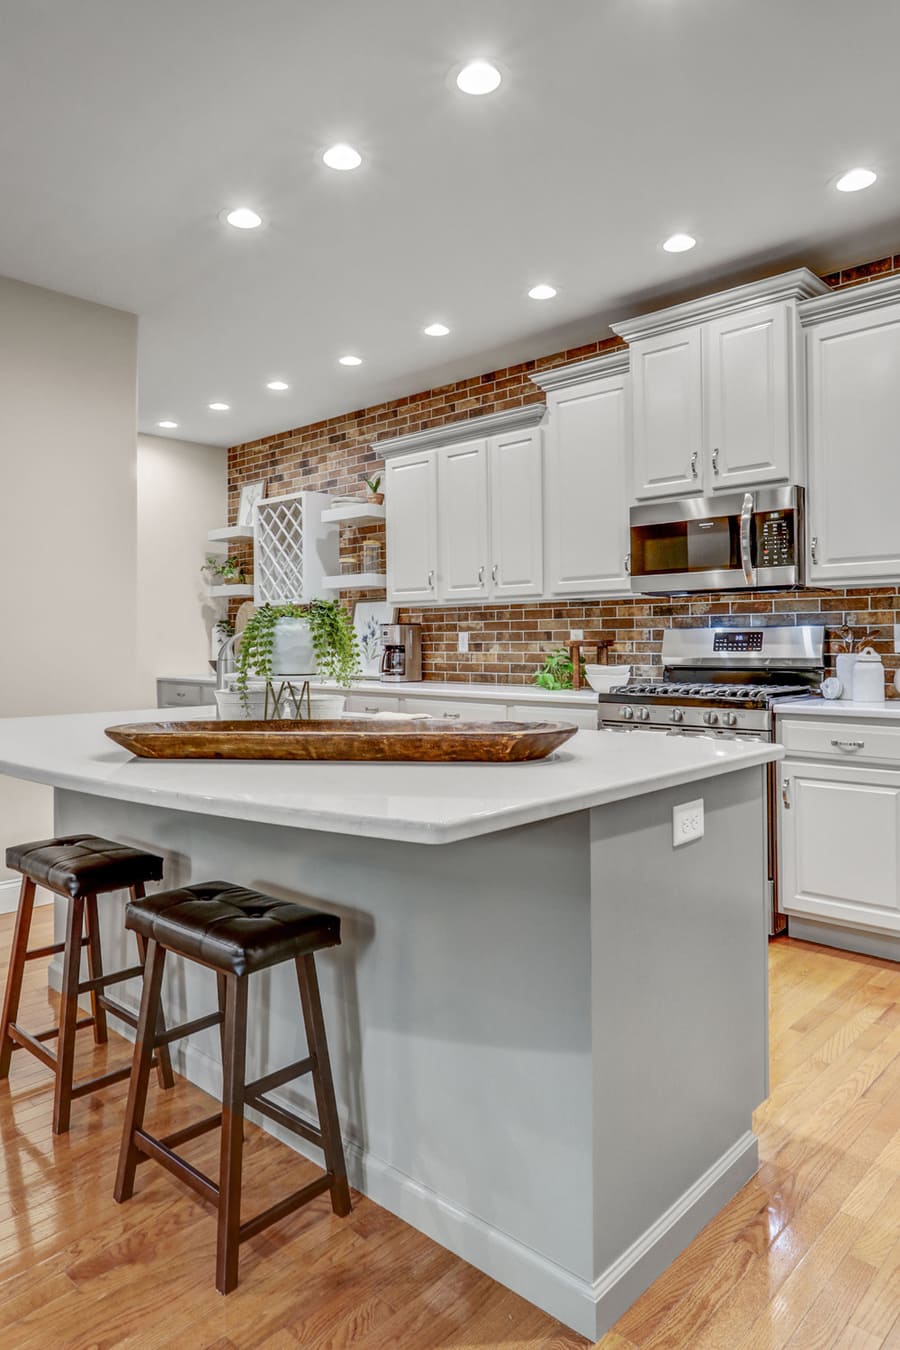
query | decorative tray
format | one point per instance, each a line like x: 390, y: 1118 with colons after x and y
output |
x: 346, y: 739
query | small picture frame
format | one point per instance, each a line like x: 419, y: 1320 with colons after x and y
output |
x: 251, y: 493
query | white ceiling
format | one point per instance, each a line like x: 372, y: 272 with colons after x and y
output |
x: 126, y: 126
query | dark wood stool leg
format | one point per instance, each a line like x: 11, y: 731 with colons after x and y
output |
x: 232, y: 1143
x: 140, y: 1070
x: 68, y: 1016
x: 13, y: 990
x: 323, y: 1083
x: 164, y: 1074
x: 95, y: 968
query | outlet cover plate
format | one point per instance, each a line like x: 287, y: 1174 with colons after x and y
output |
x: 687, y: 822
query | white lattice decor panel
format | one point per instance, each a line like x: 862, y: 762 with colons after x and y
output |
x: 293, y: 549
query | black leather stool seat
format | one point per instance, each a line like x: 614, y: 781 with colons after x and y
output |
x: 231, y: 928
x: 82, y: 864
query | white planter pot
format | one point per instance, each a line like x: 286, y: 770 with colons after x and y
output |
x: 292, y: 649
x: 232, y: 708
x: 326, y: 707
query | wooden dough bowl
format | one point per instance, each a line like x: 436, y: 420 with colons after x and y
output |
x: 345, y: 739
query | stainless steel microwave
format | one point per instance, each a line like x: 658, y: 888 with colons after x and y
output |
x: 739, y: 541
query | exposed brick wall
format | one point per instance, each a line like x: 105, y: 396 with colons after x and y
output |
x: 508, y: 641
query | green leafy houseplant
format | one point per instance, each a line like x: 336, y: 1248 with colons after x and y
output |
x: 223, y: 569
x: 557, y: 671
x: 374, y: 484
x: 333, y: 638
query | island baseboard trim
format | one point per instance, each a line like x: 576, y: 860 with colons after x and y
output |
x: 9, y: 896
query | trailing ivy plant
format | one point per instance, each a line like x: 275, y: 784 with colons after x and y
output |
x: 333, y: 638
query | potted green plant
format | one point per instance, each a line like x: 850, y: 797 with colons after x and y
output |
x: 229, y: 570
x: 557, y: 671
x: 291, y: 640
x: 373, y: 484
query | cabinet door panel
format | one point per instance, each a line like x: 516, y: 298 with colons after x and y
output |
x: 854, y: 403
x: 517, y: 528
x: 841, y: 845
x: 747, y: 370
x: 586, y: 492
x: 462, y: 522
x: 668, y: 414
x: 411, y: 527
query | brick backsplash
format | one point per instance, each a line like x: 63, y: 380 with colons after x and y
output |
x: 508, y: 641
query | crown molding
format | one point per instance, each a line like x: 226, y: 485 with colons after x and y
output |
x: 801, y: 284
x: 468, y: 429
x: 579, y: 372
x: 868, y: 295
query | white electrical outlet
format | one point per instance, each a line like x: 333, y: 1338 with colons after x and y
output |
x: 462, y: 642
x: 687, y: 822
x: 576, y: 635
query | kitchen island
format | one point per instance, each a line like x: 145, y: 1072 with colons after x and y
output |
x: 548, y: 1023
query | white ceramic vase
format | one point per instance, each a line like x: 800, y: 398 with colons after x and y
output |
x: 292, y: 649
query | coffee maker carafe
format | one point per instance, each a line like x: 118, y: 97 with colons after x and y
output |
x: 402, y: 658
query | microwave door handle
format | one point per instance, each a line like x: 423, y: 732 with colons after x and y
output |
x: 746, y: 522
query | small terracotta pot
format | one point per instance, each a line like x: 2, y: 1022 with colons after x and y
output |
x: 377, y: 498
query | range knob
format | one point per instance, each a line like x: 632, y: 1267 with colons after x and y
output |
x: 628, y: 714
x: 677, y: 715
x: 710, y: 718
x: 730, y: 719
x: 644, y: 714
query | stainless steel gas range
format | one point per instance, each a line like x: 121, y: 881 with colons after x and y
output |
x: 724, y: 682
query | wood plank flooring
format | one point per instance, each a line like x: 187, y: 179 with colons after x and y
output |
x: 806, y: 1257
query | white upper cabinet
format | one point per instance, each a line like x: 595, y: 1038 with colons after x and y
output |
x: 668, y: 414
x: 854, y: 423
x: 411, y: 518
x: 717, y: 390
x: 748, y: 379
x: 587, y: 477
x: 516, y: 525
x: 463, y: 571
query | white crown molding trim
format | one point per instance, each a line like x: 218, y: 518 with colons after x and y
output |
x: 801, y: 284
x: 469, y: 429
x: 866, y: 296
x: 615, y: 362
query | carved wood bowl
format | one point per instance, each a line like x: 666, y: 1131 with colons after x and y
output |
x: 346, y: 739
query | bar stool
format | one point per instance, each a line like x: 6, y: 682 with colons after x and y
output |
x: 78, y: 867
x: 234, y: 932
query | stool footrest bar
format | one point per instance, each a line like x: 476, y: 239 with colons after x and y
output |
x: 46, y: 951
x: 101, y: 982
x: 192, y: 1131
x: 284, y: 1207
x: 118, y: 1010
x: 52, y: 1032
x: 188, y: 1029
x: 282, y: 1116
x: 278, y: 1078
x: 105, y: 1080
x: 197, y: 1180
x: 24, y: 1041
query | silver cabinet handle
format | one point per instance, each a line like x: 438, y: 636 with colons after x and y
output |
x: 715, y: 460
x: 849, y: 746
x: 786, y: 794
x: 453, y: 717
x: 494, y: 570
x: 431, y: 581
x: 481, y: 574
x: 371, y: 710
x: 694, y: 463
x: 814, y: 548
x: 627, y: 563
x: 746, y: 523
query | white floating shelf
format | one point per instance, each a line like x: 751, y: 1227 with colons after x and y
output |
x: 356, y: 581
x: 232, y: 592
x: 227, y: 532
x: 361, y: 511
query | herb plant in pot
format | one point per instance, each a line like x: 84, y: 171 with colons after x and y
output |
x: 283, y: 641
x: 374, y: 493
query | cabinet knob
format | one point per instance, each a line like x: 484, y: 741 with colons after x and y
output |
x: 694, y: 463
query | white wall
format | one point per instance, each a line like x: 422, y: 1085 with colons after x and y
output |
x: 182, y: 494
x: 68, y: 380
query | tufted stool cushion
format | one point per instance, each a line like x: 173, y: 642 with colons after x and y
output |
x: 82, y: 864
x: 231, y: 928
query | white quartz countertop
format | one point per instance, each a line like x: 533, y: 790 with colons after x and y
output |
x: 420, y: 803
x: 458, y: 689
x: 838, y: 707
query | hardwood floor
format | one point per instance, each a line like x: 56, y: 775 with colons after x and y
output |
x: 807, y: 1256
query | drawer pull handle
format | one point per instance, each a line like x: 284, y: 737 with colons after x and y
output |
x: 847, y: 745
x: 786, y: 794
x: 454, y: 717
x: 368, y: 709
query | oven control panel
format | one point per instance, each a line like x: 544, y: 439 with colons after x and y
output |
x: 727, y: 641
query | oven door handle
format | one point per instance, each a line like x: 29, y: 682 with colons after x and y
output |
x: 746, y: 522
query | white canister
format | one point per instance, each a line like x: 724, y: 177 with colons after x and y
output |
x: 844, y: 668
x: 868, y: 678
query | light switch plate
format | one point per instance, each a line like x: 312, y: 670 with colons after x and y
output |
x: 462, y: 642
x: 576, y: 635
x: 687, y: 822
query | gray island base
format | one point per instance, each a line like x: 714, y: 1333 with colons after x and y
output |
x: 548, y: 1038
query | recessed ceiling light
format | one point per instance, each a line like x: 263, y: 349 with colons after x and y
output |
x: 167, y: 426
x: 436, y: 330
x: 243, y: 218
x: 542, y: 292
x: 478, y: 77
x: 855, y: 180
x: 679, y: 243
x: 342, y: 157
x: 278, y: 385
x: 350, y: 360
x: 219, y: 407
